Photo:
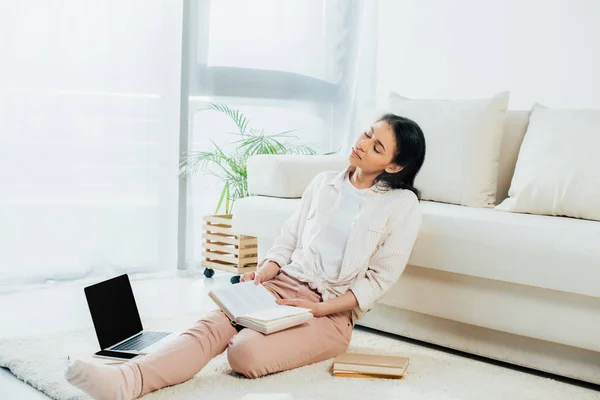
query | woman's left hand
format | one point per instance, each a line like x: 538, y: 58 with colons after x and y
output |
x: 315, y: 308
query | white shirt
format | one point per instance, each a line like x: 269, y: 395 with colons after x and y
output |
x: 379, y: 244
x: 328, y: 244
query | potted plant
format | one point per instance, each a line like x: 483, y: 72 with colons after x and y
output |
x: 223, y: 248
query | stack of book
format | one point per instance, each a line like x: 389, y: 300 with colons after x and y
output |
x: 356, y: 365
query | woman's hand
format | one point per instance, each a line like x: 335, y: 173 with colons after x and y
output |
x: 265, y: 273
x: 315, y: 308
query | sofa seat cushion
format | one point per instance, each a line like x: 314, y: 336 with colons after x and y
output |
x: 550, y: 252
x: 543, y: 251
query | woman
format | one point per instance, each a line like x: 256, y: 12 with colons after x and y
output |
x: 343, y: 249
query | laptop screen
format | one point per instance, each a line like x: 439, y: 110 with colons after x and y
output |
x: 113, y: 310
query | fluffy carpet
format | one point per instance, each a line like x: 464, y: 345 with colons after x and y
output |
x: 432, y: 374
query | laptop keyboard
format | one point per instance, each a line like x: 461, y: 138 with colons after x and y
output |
x: 141, y: 341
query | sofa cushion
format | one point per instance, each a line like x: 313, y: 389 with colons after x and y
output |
x: 557, y: 172
x: 262, y: 216
x: 288, y: 175
x: 549, y: 252
x: 464, y: 139
x: 515, y: 126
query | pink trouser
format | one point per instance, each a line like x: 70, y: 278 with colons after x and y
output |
x: 250, y: 353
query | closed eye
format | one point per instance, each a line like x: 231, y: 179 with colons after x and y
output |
x: 370, y: 135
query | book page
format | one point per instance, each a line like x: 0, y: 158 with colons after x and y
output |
x: 275, y: 313
x: 244, y: 298
x: 275, y: 325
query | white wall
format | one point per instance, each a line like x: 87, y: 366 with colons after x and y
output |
x: 542, y: 51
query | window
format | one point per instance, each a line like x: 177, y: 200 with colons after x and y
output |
x: 292, y: 64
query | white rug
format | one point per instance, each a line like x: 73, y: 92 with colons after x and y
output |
x: 432, y: 374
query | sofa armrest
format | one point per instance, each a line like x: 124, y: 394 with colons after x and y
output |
x: 288, y: 175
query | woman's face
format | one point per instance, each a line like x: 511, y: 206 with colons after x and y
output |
x: 374, y: 149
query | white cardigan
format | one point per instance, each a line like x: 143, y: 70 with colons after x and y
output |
x: 382, y: 237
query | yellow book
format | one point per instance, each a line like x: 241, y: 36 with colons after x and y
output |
x: 356, y: 365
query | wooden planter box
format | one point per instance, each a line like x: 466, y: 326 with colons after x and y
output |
x: 225, y: 250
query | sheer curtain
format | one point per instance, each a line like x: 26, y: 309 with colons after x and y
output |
x: 306, y: 65
x: 89, y: 135
x: 305, y: 37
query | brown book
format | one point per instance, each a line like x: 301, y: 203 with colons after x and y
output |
x: 369, y: 365
x: 348, y: 374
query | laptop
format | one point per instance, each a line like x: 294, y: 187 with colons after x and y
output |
x: 117, y: 321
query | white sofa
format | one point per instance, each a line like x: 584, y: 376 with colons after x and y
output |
x: 519, y: 288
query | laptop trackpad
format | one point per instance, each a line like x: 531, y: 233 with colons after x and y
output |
x: 161, y: 343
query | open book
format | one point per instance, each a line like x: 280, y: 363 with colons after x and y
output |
x: 254, y: 307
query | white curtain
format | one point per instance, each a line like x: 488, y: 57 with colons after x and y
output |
x: 307, y: 65
x: 316, y: 57
x: 306, y: 37
x: 358, y: 89
x: 89, y: 133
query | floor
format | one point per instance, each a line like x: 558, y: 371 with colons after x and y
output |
x: 55, y: 309
x: 60, y: 308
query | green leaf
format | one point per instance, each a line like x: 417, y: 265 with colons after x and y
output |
x: 285, y: 134
x: 227, y: 201
x: 197, y: 160
x: 223, y: 192
x: 232, y: 168
x: 301, y: 149
x: 263, y: 145
x: 237, y: 116
x: 256, y: 132
x: 224, y: 160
